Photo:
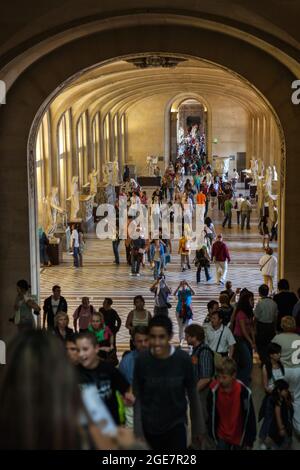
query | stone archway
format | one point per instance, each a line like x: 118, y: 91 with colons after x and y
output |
x: 28, y: 94
x: 183, y: 96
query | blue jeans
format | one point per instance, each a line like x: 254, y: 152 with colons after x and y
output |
x: 157, y: 267
x: 198, y: 275
x: 76, y: 256
x: 115, y: 245
x: 171, y: 191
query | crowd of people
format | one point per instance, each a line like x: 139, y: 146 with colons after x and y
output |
x: 148, y: 391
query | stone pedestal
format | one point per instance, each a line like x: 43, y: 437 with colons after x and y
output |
x: 110, y: 194
x: 253, y: 189
x: 153, y: 181
x: 65, y: 238
x: 86, y: 189
x: 86, y: 207
x: 55, y: 252
x: 247, y: 182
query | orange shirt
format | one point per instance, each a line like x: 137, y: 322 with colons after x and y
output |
x: 201, y: 198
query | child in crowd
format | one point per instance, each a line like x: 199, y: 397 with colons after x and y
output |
x: 272, y: 371
x: 232, y: 422
x: 108, y: 380
x: 83, y: 315
x: 72, y: 350
x: 104, y: 336
x: 278, y: 413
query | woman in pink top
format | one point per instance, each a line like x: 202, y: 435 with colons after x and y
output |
x: 245, y: 338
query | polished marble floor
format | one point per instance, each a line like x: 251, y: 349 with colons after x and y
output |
x: 100, y: 277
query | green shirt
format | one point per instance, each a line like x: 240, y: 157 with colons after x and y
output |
x: 228, y: 206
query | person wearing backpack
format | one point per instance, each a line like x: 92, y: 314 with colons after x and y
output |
x: 268, y: 267
x: 232, y: 421
x: 202, y: 261
x: 83, y: 315
x: 204, y: 369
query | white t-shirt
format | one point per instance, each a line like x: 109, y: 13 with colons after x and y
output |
x: 213, y: 336
x: 75, y: 237
x: 239, y: 203
x: 268, y: 263
x: 55, y: 304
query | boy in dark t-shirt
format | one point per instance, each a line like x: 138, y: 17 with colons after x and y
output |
x: 163, y: 380
x: 93, y: 370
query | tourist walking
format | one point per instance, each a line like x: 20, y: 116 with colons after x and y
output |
x: 220, y: 256
x: 268, y: 268
x: 184, y: 313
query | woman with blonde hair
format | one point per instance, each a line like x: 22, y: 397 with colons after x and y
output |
x: 61, y: 329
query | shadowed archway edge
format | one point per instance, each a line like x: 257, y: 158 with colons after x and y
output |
x: 33, y: 87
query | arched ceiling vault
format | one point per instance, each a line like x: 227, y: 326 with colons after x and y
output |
x: 117, y: 87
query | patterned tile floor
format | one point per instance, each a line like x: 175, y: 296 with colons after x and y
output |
x: 100, y: 277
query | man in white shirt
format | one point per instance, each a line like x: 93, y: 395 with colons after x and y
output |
x: 234, y: 179
x: 238, y: 204
x: 75, y: 245
x: 219, y: 337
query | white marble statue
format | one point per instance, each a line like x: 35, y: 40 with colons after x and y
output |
x: 52, y: 211
x: 151, y: 164
x: 260, y: 194
x: 107, y: 173
x: 275, y: 175
x: 269, y: 179
x: 261, y: 168
x: 221, y: 165
x: 74, y: 199
x: 180, y: 134
x: 115, y: 173
x: 93, y: 177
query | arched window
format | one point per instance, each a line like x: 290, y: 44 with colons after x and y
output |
x: 106, y: 135
x: 40, y: 172
x: 81, y: 138
x: 116, y: 136
x: 62, y: 159
x: 96, y: 142
x: 123, y: 137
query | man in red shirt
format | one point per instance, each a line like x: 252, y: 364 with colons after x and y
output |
x: 220, y: 256
x: 232, y: 422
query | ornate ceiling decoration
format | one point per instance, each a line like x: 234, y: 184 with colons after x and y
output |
x: 155, y: 61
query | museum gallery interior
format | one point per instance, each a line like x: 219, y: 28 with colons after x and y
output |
x: 102, y: 99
